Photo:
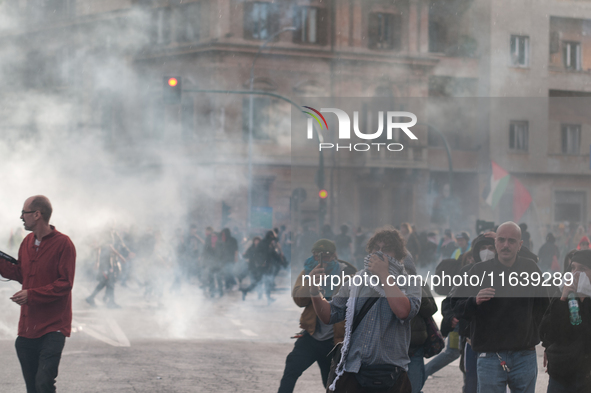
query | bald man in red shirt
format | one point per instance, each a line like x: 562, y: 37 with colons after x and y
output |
x: 46, y: 267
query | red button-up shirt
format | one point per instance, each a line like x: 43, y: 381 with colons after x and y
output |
x: 47, y: 273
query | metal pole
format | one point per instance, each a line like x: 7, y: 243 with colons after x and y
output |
x: 250, y: 121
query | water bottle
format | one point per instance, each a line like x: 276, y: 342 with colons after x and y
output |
x: 573, y: 307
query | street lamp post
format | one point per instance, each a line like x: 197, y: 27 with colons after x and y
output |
x: 250, y: 119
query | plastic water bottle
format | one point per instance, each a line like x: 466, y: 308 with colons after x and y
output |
x: 573, y: 307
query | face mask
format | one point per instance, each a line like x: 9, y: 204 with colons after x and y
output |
x: 486, y: 254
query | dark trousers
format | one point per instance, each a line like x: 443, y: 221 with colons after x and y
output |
x: 306, y: 351
x: 40, y: 358
x: 108, y: 282
x: 258, y: 279
x: 347, y: 383
x: 578, y: 384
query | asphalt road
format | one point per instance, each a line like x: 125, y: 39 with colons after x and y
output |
x: 188, y: 343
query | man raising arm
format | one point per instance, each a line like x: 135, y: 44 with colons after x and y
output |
x: 375, y: 352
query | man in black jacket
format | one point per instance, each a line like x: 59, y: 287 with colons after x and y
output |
x: 504, y: 318
x: 568, y: 346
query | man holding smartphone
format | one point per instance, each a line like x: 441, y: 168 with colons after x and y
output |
x: 317, y: 339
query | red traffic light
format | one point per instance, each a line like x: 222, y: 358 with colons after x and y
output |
x: 172, y: 90
x: 323, y: 194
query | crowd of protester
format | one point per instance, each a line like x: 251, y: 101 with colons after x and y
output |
x: 496, y: 347
x: 493, y: 330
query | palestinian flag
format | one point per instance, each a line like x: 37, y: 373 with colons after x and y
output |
x: 499, y: 180
x: 521, y: 200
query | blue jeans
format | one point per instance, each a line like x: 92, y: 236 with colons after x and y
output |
x: 441, y: 360
x: 470, y: 371
x: 416, y: 370
x: 521, y: 377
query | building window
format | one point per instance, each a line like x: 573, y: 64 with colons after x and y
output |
x: 572, y: 55
x: 518, y: 135
x: 519, y: 51
x: 571, y: 138
x: 310, y: 25
x: 260, y: 117
x: 160, y: 27
x: 260, y: 20
x: 437, y: 35
x: 188, y: 22
x: 385, y: 31
x: 569, y: 206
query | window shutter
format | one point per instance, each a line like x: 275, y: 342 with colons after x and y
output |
x: 274, y: 20
x: 298, y: 23
x: 512, y: 136
x: 396, y: 28
x: 373, y: 27
x: 322, y: 24
x: 248, y: 22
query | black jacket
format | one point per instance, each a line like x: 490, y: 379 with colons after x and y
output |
x: 419, y: 334
x: 451, y: 299
x: 448, y: 316
x: 509, y: 321
x: 568, y: 347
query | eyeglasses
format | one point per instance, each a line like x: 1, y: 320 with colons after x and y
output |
x: 24, y: 212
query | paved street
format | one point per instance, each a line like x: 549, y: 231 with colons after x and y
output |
x: 189, y: 344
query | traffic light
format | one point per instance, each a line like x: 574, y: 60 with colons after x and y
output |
x: 172, y: 90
